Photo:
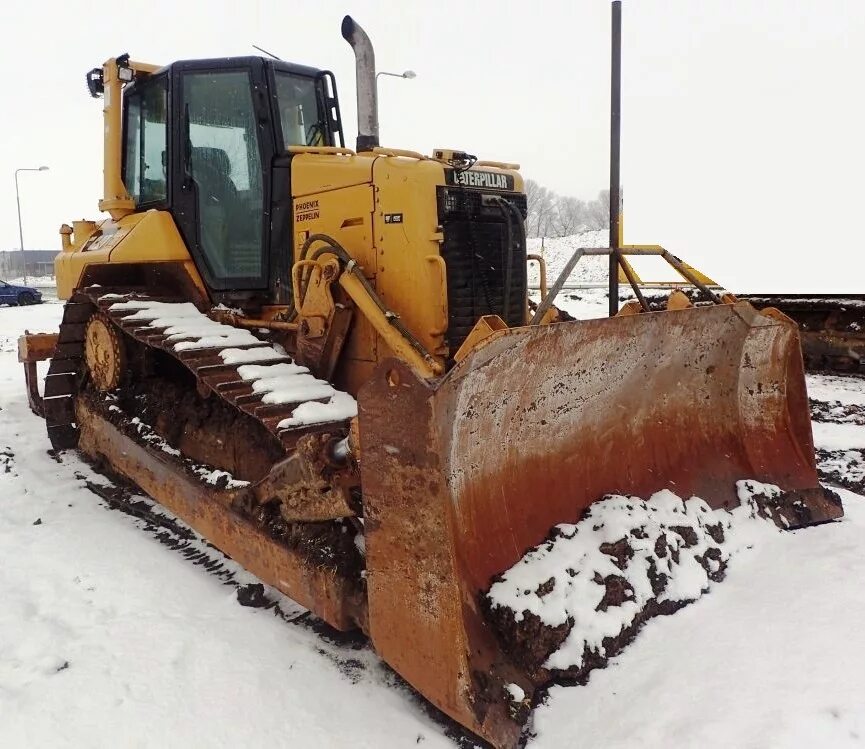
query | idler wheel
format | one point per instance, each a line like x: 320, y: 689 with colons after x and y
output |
x: 104, y: 353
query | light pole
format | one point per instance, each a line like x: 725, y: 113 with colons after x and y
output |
x: 408, y: 74
x: 18, y: 201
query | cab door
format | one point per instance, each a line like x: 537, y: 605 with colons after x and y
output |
x: 224, y: 148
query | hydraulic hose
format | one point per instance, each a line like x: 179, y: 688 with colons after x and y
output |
x: 504, y: 207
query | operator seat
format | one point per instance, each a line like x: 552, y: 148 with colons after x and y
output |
x: 217, y: 200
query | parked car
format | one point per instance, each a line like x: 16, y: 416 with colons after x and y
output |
x: 21, y: 295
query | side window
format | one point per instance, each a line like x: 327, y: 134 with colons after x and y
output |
x: 224, y: 161
x: 144, y: 163
x: 300, y: 115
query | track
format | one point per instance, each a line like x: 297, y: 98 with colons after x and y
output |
x: 223, y: 429
x: 831, y: 326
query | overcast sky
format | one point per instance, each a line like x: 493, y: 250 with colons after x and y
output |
x: 742, y: 127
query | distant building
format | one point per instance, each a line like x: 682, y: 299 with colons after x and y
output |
x: 39, y: 263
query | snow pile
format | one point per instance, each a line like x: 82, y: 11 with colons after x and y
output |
x: 187, y: 328
x: 578, y: 598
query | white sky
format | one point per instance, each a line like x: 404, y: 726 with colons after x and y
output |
x: 742, y: 121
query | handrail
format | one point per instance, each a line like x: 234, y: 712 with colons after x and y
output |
x: 498, y: 164
x: 321, y: 149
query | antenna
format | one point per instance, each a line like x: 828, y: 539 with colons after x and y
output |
x: 269, y: 54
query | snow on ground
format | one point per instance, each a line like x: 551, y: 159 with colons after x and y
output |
x: 35, y: 282
x: 828, y: 388
x: 838, y: 436
x: 773, y: 657
x: 110, y: 639
x: 558, y: 250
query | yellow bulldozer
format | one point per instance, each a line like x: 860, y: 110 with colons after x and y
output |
x: 325, y: 361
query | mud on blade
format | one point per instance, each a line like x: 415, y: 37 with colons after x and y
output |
x: 460, y: 479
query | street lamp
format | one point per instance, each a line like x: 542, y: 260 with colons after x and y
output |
x: 408, y: 74
x: 18, y: 201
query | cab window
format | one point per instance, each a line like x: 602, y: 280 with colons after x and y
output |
x: 301, y: 115
x: 225, y: 163
x: 144, y: 158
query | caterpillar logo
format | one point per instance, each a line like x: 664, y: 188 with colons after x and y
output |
x: 477, y: 178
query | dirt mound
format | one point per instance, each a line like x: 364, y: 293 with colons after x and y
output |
x: 576, y: 600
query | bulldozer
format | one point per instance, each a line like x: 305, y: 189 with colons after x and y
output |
x: 326, y: 362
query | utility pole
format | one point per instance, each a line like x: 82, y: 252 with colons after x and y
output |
x: 615, y: 153
x: 18, y: 202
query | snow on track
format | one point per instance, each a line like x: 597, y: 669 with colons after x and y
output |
x: 188, y: 330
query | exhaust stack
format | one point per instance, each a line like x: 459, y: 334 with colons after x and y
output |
x: 367, y: 94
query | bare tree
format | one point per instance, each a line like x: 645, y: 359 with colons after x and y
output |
x: 598, y: 211
x: 550, y: 214
x: 570, y: 216
x: 541, y: 205
x: 532, y: 190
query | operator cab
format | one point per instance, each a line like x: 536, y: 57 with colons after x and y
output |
x: 202, y: 139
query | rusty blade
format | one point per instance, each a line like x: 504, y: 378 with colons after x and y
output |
x: 461, y: 479
x: 542, y: 422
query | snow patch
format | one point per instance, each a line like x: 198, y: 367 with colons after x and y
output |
x: 515, y: 692
x: 828, y: 436
x: 241, y: 355
x: 340, y: 406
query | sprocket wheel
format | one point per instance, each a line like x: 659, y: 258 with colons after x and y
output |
x: 104, y: 352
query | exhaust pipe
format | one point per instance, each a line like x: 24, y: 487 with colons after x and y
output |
x: 367, y: 95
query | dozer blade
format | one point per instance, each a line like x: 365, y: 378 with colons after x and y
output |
x: 462, y: 477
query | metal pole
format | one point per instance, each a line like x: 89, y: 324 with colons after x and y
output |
x: 18, y: 202
x: 615, y: 137
x: 20, y: 231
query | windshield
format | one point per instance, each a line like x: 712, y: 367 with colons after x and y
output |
x: 299, y: 111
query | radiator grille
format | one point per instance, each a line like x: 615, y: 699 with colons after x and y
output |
x: 475, y: 253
